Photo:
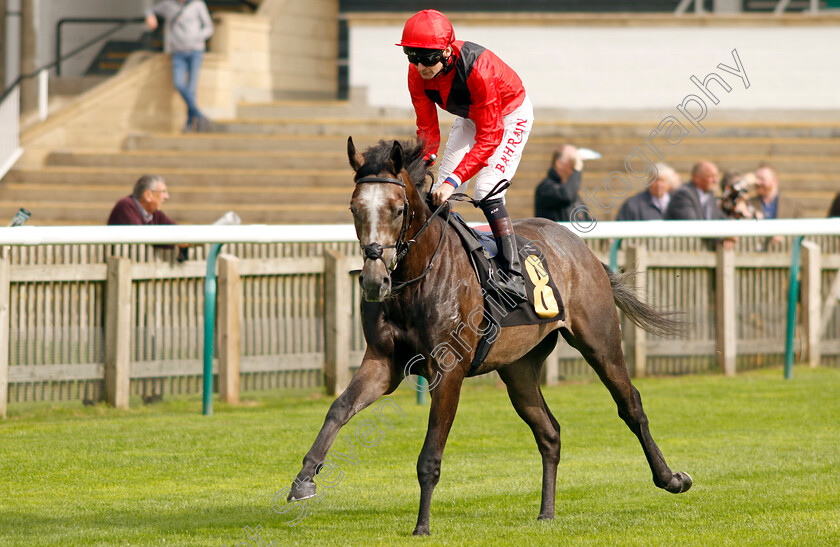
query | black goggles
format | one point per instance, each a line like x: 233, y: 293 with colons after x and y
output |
x: 425, y: 57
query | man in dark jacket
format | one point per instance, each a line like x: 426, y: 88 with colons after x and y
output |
x: 834, y: 210
x: 557, y: 195
x: 696, y: 200
x: 651, y: 203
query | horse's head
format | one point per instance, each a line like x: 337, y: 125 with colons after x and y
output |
x: 382, y: 212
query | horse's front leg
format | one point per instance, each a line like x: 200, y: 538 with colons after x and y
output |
x: 374, y: 378
x: 445, y: 398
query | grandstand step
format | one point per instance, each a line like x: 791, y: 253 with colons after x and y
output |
x: 619, y: 146
x: 253, y: 143
x: 209, y: 178
x: 51, y: 212
x: 180, y: 194
x: 159, y: 159
x: 556, y: 128
x: 316, y: 109
x: 404, y: 127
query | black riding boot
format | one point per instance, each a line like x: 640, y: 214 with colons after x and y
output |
x: 511, y: 281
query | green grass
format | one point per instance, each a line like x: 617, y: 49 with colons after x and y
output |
x: 763, y: 453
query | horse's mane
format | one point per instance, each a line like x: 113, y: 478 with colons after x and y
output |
x: 377, y: 158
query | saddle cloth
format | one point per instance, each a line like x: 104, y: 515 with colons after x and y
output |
x: 544, y: 302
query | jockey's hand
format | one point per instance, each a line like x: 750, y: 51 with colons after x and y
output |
x: 442, y: 193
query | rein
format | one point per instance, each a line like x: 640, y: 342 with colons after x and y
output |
x: 373, y: 251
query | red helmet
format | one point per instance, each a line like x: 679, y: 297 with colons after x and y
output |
x: 428, y: 29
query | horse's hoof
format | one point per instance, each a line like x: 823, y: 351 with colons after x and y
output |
x: 421, y: 531
x: 301, y: 491
x: 545, y: 517
x: 685, y: 480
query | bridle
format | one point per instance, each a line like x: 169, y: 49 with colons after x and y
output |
x: 373, y: 251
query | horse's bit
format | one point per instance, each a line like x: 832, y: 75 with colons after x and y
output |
x: 373, y: 251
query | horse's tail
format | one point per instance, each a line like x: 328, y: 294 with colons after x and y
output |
x: 642, y: 314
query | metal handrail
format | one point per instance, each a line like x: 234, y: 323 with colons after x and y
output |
x: 57, y: 62
x: 123, y: 22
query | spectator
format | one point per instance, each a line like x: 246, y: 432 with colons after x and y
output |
x: 188, y: 26
x: 142, y: 207
x: 651, y: 203
x: 557, y: 194
x: 696, y: 200
x: 769, y: 201
x: 734, y: 196
x: 834, y: 210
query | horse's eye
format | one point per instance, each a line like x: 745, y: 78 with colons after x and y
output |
x: 400, y: 211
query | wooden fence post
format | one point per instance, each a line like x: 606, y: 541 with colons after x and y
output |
x: 230, y: 289
x: 336, y: 322
x: 811, y: 300
x: 725, y: 309
x: 551, y: 366
x: 635, y: 338
x: 118, y: 332
x: 5, y: 296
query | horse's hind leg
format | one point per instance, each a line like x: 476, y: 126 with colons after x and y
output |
x: 522, y: 379
x: 598, y: 338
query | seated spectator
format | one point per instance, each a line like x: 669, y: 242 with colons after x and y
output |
x: 834, y: 210
x: 696, y: 200
x: 769, y: 201
x: 651, y: 203
x: 734, y: 201
x: 142, y: 207
x: 557, y: 195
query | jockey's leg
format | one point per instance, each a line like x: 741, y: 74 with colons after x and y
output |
x: 512, y: 282
x: 502, y: 165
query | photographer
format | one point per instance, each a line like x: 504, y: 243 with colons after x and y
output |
x: 734, y: 201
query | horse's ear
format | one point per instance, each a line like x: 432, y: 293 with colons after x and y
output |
x: 356, y: 159
x: 397, y: 157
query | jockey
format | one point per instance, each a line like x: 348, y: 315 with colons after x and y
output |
x: 486, y: 140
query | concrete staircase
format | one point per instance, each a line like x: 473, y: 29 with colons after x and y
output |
x: 286, y: 162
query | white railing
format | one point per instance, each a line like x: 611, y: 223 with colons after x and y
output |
x: 10, y: 149
x: 313, y: 233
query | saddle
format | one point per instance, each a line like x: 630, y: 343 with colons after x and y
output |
x: 544, y: 302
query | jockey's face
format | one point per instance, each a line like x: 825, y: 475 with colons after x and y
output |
x: 429, y: 72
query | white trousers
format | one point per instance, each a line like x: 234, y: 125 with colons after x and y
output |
x: 504, y: 161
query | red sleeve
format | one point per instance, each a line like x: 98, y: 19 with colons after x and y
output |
x: 428, y: 127
x: 486, y: 112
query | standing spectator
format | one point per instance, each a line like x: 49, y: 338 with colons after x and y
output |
x: 187, y: 27
x: 651, y: 203
x: 696, y: 200
x: 834, y: 210
x: 557, y: 195
x: 769, y: 201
